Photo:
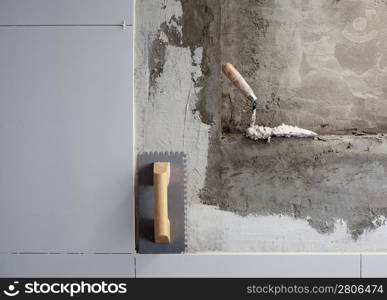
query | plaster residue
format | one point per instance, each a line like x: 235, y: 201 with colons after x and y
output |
x: 257, y: 132
x: 215, y: 229
x: 167, y: 74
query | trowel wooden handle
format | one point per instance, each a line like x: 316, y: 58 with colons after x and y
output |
x: 162, y: 227
x: 237, y: 79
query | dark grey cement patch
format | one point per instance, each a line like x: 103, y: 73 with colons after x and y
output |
x: 320, y: 181
x: 200, y: 28
x: 156, y: 62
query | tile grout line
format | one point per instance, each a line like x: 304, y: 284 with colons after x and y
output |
x: 135, y: 267
x: 361, y: 265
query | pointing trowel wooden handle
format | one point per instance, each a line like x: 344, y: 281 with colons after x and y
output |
x: 237, y: 79
x: 162, y: 227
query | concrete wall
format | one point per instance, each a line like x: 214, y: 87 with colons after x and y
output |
x: 317, y: 64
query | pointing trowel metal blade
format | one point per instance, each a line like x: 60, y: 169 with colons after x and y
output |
x: 176, y: 202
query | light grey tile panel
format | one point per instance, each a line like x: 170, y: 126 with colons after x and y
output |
x: 66, y: 265
x: 62, y: 12
x: 66, y: 136
x: 250, y: 265
x: 374, y: 265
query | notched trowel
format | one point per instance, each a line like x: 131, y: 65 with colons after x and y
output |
x: 160, y: 202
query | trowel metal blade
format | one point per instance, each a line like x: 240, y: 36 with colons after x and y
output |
x: 176, y: 202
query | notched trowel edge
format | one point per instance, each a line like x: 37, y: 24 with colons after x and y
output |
x: 176, y: 202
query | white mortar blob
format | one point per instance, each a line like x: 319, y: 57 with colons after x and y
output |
x: 256, y: 132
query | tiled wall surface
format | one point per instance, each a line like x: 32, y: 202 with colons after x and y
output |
x: 195, y: 265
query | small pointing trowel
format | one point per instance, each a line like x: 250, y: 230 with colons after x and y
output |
x: 256, y: 132
x: 237, y: 79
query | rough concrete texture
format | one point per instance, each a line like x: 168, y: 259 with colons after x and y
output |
x: 169, y: 77
x: 316, y: 64
x: 340, y: 178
